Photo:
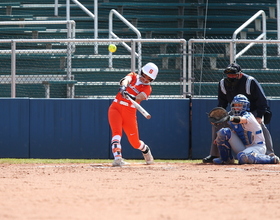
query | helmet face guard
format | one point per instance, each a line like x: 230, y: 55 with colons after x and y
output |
x: 231, y: 70
x: 239, y: 105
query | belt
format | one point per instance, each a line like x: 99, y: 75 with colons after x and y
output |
x: 124, y: 103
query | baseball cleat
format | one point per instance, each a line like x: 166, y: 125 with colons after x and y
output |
x: 274, y: 158
x: 119, y: 163
x: 208, y: 159
x: 219, y: 161
x: 148, y: 157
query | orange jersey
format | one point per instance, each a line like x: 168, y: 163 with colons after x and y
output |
x: 135, y: 87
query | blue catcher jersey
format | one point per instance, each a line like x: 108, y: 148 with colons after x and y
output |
x: 250, y: 133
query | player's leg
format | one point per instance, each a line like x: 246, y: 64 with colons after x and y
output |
x: 146, y: 152
x: 214, y: 152
x: 133, y: 138
x: 256, y: 155
x: 238, y: 147
x: 115, y: 122
x: 268, y: 139
x: 130, y: 127
x: 236, y: 144
x: 222, y: 140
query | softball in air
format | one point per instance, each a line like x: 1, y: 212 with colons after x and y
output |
x: 112, y: 48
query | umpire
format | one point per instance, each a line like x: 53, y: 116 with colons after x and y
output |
x: 237, y: 82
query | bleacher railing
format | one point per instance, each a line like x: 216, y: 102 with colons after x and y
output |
x: 262, y: 36
x: 94, y: 15
x: 112, y: 35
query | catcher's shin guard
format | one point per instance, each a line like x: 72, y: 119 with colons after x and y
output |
x: 224, y: 147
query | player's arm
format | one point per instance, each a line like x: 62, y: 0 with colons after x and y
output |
x: 143, y: 95
x: 222, y: 98
x: 238, y: 119
x: 140, y: 97
x: 124, y: 82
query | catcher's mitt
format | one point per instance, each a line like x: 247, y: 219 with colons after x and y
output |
x: 218, y: 115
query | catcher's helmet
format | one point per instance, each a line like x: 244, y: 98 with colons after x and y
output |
x: 239, y: 110
x: 233, y: 68
x: 151, y: 70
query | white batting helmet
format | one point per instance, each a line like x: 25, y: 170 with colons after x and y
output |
x: 151, y: 70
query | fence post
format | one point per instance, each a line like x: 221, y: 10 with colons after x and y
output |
x: 133, y: 56
x: 13, y: 69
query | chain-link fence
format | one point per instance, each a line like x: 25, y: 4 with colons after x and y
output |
x: 70, y: 68
x: 60, y: 68
x: 209, y: 58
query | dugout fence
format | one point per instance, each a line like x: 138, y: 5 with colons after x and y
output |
x: 69, y: 68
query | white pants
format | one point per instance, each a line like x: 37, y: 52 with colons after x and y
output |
x: 237, y: 146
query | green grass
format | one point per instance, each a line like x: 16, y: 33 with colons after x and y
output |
x: 65, y: 161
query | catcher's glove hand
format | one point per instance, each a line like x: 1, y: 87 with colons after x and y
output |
x: 218, y: 115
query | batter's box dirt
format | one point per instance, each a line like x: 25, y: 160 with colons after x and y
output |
x: 136, y: 165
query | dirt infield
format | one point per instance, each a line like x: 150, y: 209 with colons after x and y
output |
x: 163, y: 191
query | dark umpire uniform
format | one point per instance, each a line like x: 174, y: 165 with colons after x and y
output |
x: 248, y: 86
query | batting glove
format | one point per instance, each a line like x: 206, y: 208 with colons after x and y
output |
x: 122, y: 90
x: 131, y: 96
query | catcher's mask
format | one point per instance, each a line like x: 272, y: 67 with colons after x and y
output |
x: 239, y: 105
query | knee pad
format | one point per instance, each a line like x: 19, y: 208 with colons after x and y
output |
x: 223, y: 135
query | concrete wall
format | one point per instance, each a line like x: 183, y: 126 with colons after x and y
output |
x: 78, y: 128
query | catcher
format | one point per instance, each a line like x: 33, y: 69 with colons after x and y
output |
x: 244, y: 136
x: 236, y: 82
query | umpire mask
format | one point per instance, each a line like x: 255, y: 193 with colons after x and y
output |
x: 233, y: 72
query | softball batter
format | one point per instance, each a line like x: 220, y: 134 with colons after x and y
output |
x: 122, y: 113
